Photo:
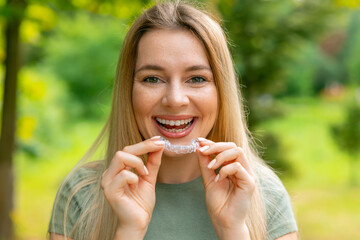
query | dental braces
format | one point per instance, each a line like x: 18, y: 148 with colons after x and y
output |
x: 181, y: 149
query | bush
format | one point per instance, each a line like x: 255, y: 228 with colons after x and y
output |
x: 83, y: 52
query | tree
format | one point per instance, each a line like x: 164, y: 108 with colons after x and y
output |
x: 264, y: 37
x: 13, y: 13
x: 14, y: 10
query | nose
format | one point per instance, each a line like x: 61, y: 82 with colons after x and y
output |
x: 176, y: 96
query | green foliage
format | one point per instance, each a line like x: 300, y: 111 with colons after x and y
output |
x: 347, y: 134
x: 347, y: 137
x: 352, y: 50
x: 83, y: 51
x: 41, y: 116
x: 308, y: 143
x: 275, y: 155
x: 301, y: 72
x: 265, y: 34
x: 330, y: 71
x: 266, y: 38
x: 122, y: 9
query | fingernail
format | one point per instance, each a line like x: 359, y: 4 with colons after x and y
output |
x: 202, y: 149
x: 155, y: 138
x: 159, y: 143
x: 217, y: 178
x: 212, y: 163
x: 202, y: 139
x: 146, y: 171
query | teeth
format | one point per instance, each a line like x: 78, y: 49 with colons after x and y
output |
x: 175, y: 130
x: 174, y: 123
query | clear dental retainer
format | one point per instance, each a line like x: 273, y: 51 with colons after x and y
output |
x: 181, y: 149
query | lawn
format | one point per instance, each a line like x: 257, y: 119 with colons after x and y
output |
x: 326, y: 206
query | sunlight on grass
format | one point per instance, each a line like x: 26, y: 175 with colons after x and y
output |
x: 305, y: 131
x: 328, y: 213
x: 326, y: 206
x: 39, y: 179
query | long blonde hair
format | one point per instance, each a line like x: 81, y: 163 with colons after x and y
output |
x: 98, y: 220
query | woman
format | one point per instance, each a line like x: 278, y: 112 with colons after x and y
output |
x: 175, y: 80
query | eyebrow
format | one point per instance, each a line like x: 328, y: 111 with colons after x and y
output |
x: 149, y: 67
x: 198, y: 67
x: 158, y: 68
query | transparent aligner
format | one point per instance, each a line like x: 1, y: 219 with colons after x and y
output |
x: 181, y: 149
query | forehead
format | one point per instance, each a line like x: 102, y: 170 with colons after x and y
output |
x: 165, y: 46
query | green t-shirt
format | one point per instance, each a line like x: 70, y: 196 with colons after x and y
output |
x: 180, y: 210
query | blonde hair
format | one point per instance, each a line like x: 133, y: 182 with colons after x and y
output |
x: 98, y: 221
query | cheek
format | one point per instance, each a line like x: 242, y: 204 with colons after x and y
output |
x: 139, y: 102
x: 144, y: 101
x: 214, y: 109
x: 211, y: 101
x: 207, y: 102
x: 142, y: 105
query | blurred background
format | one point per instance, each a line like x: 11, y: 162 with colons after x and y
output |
x: 299, y: 68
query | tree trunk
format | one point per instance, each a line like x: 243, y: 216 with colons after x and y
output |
x: 7, y: 140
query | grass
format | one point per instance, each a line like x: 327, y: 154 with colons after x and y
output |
x: 328, y: 213
x: 325, y: 205
x: 38, y: 180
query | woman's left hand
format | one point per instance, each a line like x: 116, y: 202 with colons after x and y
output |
x: 228, y: 193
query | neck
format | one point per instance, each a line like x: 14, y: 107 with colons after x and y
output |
x: 179, y: 169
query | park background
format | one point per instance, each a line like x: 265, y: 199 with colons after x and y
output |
x: 299, y: 67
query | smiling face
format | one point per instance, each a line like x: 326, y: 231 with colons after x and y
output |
x: 174, y: 93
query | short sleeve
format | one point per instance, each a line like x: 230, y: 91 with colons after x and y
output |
x: 280, y: 218
x: 69, y: 201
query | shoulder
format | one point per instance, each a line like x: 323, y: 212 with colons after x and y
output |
x: 279, y: 214
x: 86, y: 173
x: 270, y: 184
x: 74, y: 196
x: 78, y: 181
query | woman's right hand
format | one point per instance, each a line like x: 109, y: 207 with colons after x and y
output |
x: 132, y: 196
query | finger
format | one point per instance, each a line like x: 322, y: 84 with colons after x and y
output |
x: 120, y: 181
x: 204, y: 141
x: 236, y: 154
x: 242, y: 178
x: 117, y: 163
x: 123, y: 160
x: 218, y: 147
x: 207, y: 174
x: 150, y: 145
x: 153, y: 165
x: 204, y: 144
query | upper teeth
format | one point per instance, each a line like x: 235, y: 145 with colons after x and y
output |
x: 174, y: 122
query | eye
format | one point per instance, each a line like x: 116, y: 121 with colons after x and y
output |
x: 151, y: 80
x: 197, y: 80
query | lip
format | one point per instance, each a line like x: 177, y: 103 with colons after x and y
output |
x: 174, y: 134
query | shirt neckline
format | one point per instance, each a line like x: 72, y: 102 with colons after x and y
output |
x: 184, y: 185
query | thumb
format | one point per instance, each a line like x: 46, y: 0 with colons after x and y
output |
x: 153, y: 165
x: 207, y: 174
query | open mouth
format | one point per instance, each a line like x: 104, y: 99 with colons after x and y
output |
x: 174, y: 126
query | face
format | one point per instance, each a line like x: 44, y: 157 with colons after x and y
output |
x: 174, y: 93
